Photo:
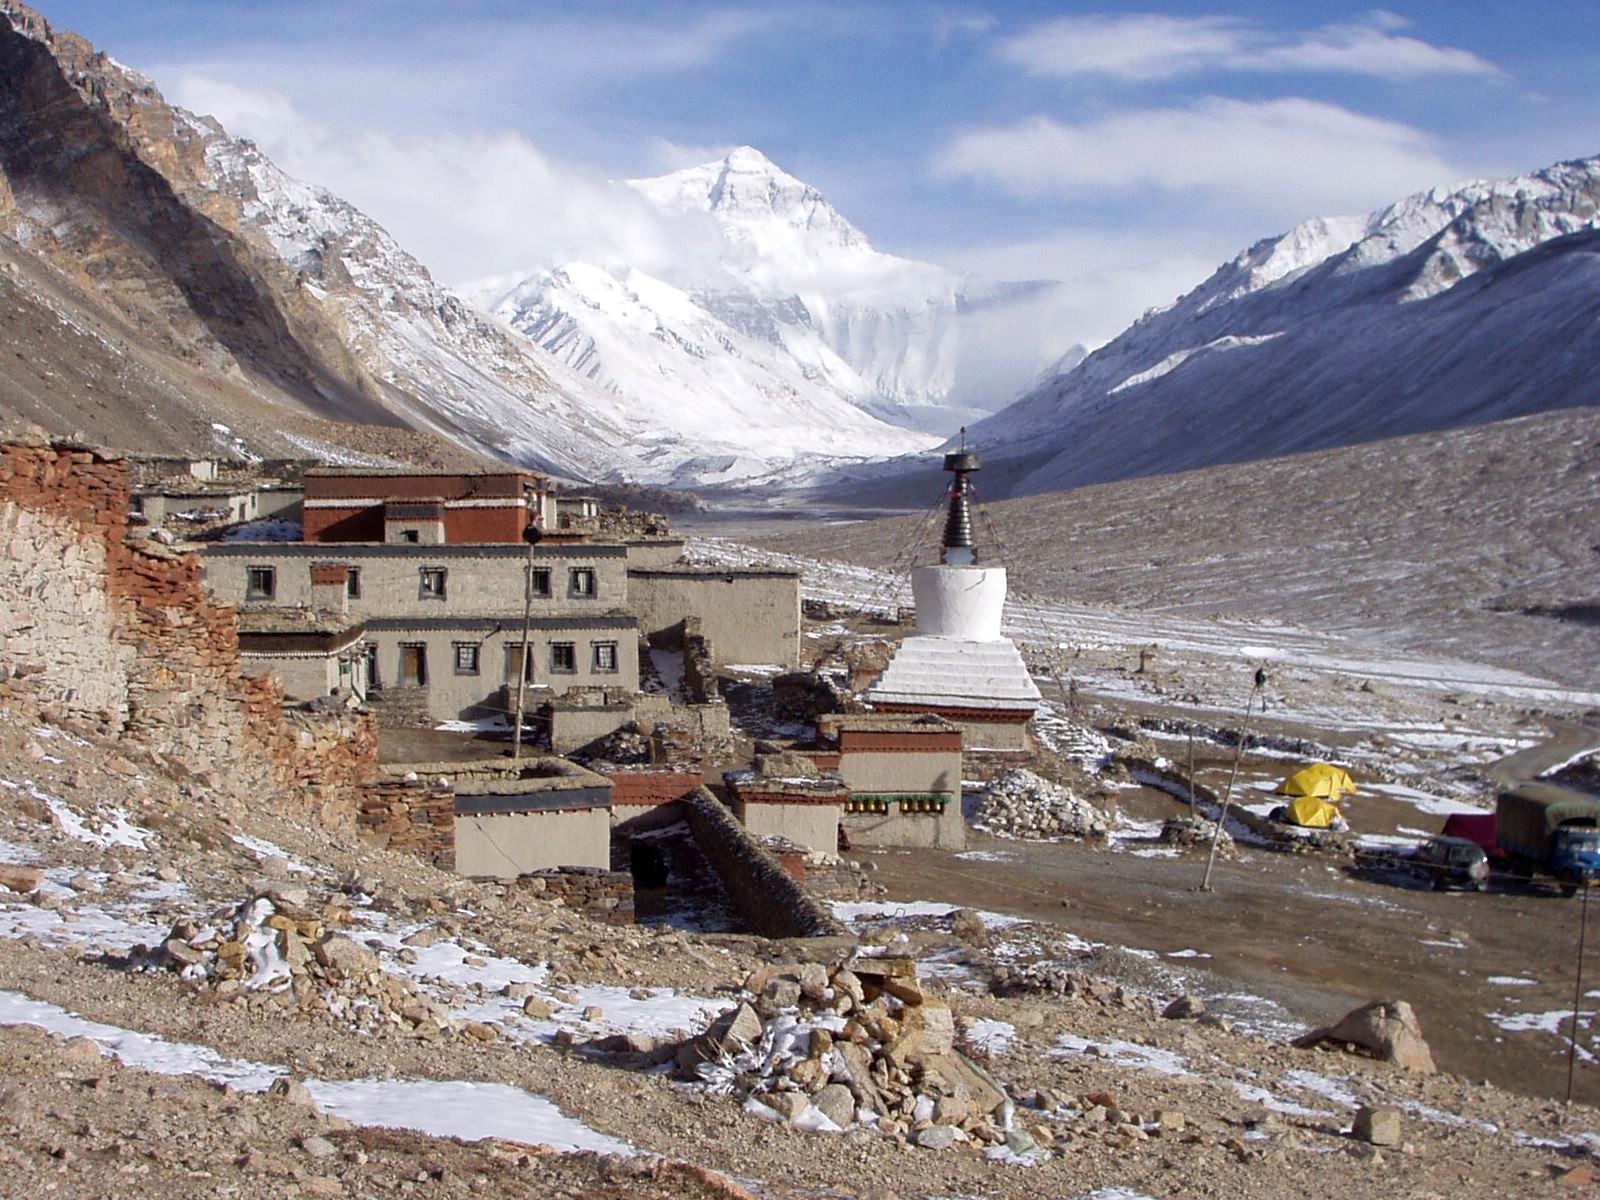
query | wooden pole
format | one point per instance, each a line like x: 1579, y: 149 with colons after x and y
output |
x: 1227, y: 795
x: 1577, y: 992
x: 1191, y: 774
x: 522, y: 664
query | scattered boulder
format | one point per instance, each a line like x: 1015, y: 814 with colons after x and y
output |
x: 1387, y: 1029
x: 1377, y: 1126
x: 968, y: 926
x: 1185, y: 1008
x: 20, y: 879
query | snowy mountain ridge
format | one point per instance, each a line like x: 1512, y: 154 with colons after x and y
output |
x: 1341, y: 330
x: 906, y: 341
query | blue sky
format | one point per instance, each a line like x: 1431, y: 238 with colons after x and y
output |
x: 1127, y: 149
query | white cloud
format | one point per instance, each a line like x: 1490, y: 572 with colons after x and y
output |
x: 467, y: 205
x: 667, y: 155
x: 1143, y: 47
x: 1291, y: 156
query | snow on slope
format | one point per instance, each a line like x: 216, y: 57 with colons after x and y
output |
x: 684, y: 403
x: 452, y: 368
x: 722, y: 406
x: 1451, y: 307
x: 794, y: 291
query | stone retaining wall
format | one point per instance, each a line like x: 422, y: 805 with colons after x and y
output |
x: 416, y: 816
x: 603, y: 895
x: 123, y: 635
x: 765, y: 895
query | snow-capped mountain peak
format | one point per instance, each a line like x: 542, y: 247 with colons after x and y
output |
x: 1452, y: 306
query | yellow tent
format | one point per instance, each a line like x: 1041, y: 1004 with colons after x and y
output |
x: 1319, y: 779
x: 1310, y: 812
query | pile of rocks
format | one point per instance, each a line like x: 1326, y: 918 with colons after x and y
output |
x: 1020, y: 804
x: 1191, y: 833
x: 858, y: 1043
x: 276, y: 952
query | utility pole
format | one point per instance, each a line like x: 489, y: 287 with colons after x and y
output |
x: 527, y: 625
x: 1227, y: 795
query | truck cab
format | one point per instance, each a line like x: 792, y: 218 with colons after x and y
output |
x: 1575, y: 854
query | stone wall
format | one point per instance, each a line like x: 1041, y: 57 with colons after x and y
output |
x: 123, y: 635
x: 417, y: 816
x: 766, y: 896
x: 603, y: 895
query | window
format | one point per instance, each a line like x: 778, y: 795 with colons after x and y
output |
x: 605, y: 656
x: 581, y: 581
x: 539, y: 581
x: 352, y: 583
x: 260, y: 583
x: 515, y: 661
x: 466, y: 658
x: 411, y: 535
x: 563, y: 658
x: 432, y: 587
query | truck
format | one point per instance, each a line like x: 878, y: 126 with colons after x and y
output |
x: 1552, y: 831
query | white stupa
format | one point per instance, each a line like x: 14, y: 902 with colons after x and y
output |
x: 958, y: 664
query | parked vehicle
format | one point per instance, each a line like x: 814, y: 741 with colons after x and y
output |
x: 1478, y: 828
x: 1448, y: 862
x: 1552, y: 831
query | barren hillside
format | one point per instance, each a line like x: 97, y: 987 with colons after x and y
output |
x: 1479, y: 543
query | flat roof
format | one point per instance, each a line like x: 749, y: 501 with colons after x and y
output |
x: 294, y: 620
x: 510, y: 624
x: 887, y: 722
x: 717, y: 572
x: 334, y: 551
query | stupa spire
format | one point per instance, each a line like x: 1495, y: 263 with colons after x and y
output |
x: 958, y: 549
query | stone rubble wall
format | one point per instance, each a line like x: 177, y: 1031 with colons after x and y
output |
x: 122, y: 634
x: 417, y: 816
x: 605, y: 896
x: 771, y: 902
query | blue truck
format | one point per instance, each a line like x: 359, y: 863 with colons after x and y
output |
x: 1552, y: 831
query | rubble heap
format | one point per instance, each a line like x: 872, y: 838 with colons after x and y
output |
x: 857, y: 1043
x: 1195, y: 833
x: 275, y: 952
x: 1020, y: 804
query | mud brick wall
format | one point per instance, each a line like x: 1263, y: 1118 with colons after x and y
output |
x: 699, y: 667
x: 418, y: 817
x: 766, y: 896
x: 603, y: 895
x: 122, y: 633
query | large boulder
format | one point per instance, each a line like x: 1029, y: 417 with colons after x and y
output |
x: 1386, y: 1028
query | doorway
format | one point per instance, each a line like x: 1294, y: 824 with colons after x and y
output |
x: 414, y: 665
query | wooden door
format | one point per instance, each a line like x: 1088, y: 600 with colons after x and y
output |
x: 413, y: 666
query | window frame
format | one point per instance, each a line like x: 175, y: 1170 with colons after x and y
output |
x: 596, y: 666
x: 476, y: 665
x: 424, y: 592
x: 574, y: 574
x: 251, y: 591
x: 352, y: 583
x: 541, y: 584
x: 568, y: 650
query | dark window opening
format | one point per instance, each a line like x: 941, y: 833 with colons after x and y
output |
x: 261, y: 583
x: 432, y: 586
x: 539, y: 581
x: 352, y: 583
x: 581, y: 581
x: 605, y: 656
x: 563, y: 658
x: 466, y: 658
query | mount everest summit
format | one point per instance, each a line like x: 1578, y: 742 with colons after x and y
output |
x: 795, y: 294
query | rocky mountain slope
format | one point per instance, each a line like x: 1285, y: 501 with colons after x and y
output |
x: 794, y: 289
x: 160, y: 266
x: 1452, y: 307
